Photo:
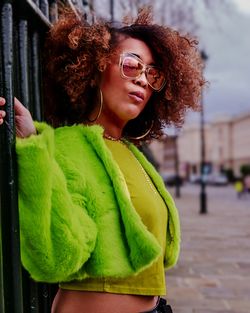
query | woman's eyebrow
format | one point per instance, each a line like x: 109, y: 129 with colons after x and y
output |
x: 138, y: 56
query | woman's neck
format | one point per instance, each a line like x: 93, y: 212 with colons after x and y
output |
x: 111, y: 128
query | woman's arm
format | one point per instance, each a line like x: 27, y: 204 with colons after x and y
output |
x: 57, y: 235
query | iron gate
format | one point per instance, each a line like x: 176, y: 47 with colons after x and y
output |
x: 23, y: 26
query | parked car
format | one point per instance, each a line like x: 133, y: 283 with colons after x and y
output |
x: 172, y: 180
x: 194, y: 179
x: 217, y: 179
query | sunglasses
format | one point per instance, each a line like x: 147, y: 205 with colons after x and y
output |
x: 132, y: 67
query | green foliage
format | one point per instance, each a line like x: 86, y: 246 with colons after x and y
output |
x: 245, y: 169
x: 230, y: 174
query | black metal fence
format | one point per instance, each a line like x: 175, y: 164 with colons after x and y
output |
x: 23, y: 25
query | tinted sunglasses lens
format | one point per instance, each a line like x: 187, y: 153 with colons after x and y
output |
x: 155, y: 78
x: 131, y: 67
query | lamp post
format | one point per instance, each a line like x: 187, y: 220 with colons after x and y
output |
x: 203, y: 195
x: 176, y: 165
x: 112, y: 10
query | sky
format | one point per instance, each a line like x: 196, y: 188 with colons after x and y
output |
x: 225, y: 39
x: 243, y: 5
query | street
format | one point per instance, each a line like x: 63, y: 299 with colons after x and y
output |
x: 213, y: 272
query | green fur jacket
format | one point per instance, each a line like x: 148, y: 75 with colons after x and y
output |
x: 76, y: 215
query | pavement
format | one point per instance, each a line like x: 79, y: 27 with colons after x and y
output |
x: 213, y: 272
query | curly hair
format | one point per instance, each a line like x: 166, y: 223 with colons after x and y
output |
x: 76, y: 53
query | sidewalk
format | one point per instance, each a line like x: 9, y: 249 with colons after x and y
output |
x: 213, y: 273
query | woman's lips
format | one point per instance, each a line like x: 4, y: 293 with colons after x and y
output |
x: 137, y: 96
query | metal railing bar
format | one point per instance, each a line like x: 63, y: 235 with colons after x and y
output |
x: 44, y: 298
x: 23, y: 62
x: 44, y: 6
x: 53, y: 11
x: 1, y: 175
x: 34, y: 11
x: 36, y: 72
x: 34, y: 297
x: 11, y: 268
x: 23, y: 92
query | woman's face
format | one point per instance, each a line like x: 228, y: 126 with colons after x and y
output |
x: 124, y: 99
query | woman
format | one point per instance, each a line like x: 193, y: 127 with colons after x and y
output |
x: 94, y: 214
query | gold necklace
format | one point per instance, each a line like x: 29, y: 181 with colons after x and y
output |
x: 148, y: 179
x: 107, y: 136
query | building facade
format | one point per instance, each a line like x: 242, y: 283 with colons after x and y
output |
x: 227, y: 146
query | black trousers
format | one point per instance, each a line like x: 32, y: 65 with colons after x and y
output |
x: 161, y: 307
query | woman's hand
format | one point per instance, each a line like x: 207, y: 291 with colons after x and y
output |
x: 2, y: 113
x: 23, y: 120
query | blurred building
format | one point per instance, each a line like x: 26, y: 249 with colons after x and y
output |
x: 165, y: 154
x: 227, y: 147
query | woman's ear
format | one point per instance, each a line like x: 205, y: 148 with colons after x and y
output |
x: 102, y: 65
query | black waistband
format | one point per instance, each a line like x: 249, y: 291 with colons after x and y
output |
x: 161, y: 307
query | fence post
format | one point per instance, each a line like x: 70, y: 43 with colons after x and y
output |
x: 10, y: 267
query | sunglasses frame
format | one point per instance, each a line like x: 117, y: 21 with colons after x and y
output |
x: 143, y: 70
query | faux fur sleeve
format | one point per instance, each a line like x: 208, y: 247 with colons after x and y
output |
x: 57, y: 235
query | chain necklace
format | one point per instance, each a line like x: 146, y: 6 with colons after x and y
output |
x: 148, y: 179
x: 107, y: 136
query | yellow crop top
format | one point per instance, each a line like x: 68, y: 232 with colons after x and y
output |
x: 153, y: 212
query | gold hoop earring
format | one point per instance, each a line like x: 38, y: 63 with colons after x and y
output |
x: 100, y: 110
x: 143, y: 135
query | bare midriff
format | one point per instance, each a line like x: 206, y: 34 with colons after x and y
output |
x: 71, y: 301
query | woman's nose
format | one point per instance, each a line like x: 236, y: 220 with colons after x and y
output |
x: 142, y: 80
